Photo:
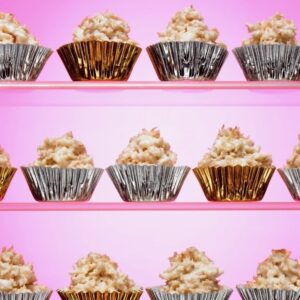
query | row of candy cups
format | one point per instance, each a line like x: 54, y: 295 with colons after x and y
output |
x: 96, y: 60
x: 157, y: 293
x: 136, y: 183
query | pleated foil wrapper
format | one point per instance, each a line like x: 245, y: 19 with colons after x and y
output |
x: 291, y: 177
x: 234, y: 183
x: 140, y: 183
x: 269, y: 62
x: 96, y: 60
x: 61, y: 184
x: 157, y: 293
x: 66, y: 295
x: 187, y: 60
x: 26, y: 296
x: 6, y: 176
x: 22, y: 62
x: 267, y: 294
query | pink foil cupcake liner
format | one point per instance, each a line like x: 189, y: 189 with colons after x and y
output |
x: 26, y: 296
x: 187, y: 60
x: 269, y: 62
x: 291, y: 177
x: 22, y: 62
x: 59, y: 184
x: 147, y: 183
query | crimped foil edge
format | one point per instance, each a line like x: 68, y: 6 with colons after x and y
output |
x: 147, y: 182
x: 22, y: 62
x: 61, y: 184
x: 157, y: 293
x: 267, y: 294
x: 26, y: 296
x: 99, y: 60
x: 6, y: 176
x: 191, y: 60
x: 234, y: 183
x: 269, y: 62
x: 291, y: 177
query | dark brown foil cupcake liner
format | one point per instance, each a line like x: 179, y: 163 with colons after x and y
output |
x: 157, y: 293
x: 187, y: 60
x: 22, y: 62
x: 269, y: 62
x: 61, y: 184
x: 6, y: 176
x: 147, y: 183
x: 96, y: 60
x: 267, y: 294
x: 26, y: 296
x: 234, y: 183
x: 66, y: 295
x: 291, y: 177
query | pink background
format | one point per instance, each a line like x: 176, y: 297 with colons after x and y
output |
x: 142, y: 241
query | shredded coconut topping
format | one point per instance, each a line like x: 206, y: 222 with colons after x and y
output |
x: 15, y: 275
x: 191, y: 271
x: 294, y: 161
x: 278, y: 271
x: 12, y: 32
x: 4, y: 159
x: 63, y: 152
x: 103, y: 27
x: 189, y: 25
x: 276, y: 30
x: 148, y: 148
x: 232, y: 148
x: 97, y: 272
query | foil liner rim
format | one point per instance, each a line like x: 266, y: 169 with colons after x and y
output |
x: 68, y: 292
x: 186, y: 42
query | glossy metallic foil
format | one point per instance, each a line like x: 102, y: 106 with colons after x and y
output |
x: 234, y: 183
x: 95, y: 60
x: 65, y: 295
x: 147, y: 183
x: 6, y: 176
x: 291, y: 177
x: 157, y: 293
x: 187, y: 60
x: 267, y: 294
x: 269, y: 62
x: 22, y: 62
x: 55, y: 184
x: 26, y: 296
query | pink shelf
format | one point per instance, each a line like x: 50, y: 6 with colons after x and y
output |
x: 151, y: 85
x: 176, y: 206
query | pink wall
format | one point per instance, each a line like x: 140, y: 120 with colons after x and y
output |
x: 142, y: 241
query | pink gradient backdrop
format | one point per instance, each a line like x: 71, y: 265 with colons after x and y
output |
x: 142, y: 241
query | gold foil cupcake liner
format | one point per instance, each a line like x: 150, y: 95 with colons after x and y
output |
x: 291, y: 177
x: 26, y: 296
x: 269, y: 62
x: 22, y: 62
x: 96, y: 60
x: 234, y: 183
x: 157, y: 293
x: 6, y: 176
x: 267, y: 294
x: 187, y: 60
x: 61, y: 184
x: 67, y: 295
x: 139, y: 183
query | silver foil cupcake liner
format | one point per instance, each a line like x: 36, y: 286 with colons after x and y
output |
x: 187, y: 60
x: 69, y: 295
x: 147, y: 183
x: 59, y: 184
x: 26, y: 296
x: 291, y: 177
x: 269, y: 62
x: 157, y: 293
x: 267, y: 294
x: 22, y: 62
